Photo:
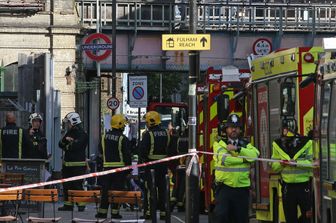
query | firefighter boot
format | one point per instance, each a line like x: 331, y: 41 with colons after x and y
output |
x: 101, y: 215
x: 66, y: 208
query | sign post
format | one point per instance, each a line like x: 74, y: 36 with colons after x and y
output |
x: 262, y: 46
x: 90, y: 46
x: 192, y: 176
x: 137, y: 91
x: 137, y: 95
x: 113, y: 103
x: 186, y: 42
x: 194, y: 43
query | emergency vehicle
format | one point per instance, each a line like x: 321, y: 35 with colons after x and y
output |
x: 277, y: 97
x: 171, y: 112
x: 215, y: 101
x: 325, y: 133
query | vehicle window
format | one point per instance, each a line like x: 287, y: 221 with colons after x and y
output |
x: 176, y: 116
x: 288, y: 99
x: 324, y: 131
x: 332, y: 135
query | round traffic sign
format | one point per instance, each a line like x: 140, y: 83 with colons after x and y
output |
x: 138, y: 92
x: 98, y: 36
x: 262, y: 47
x: 113, y: 103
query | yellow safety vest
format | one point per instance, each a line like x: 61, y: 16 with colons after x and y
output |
x: 294, y: 174
x: 230, y: 170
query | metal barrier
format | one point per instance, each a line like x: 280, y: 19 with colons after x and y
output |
x: 212, y: 17
x: 153, y: 196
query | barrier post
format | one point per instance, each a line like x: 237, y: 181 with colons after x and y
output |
x: 153, y: 195
x: 167, y: 199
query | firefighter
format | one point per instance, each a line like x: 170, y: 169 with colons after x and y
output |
x: 11, y: 145
x: 73, y: 144
x: 292, y: 150
x: 35, y: 141
x: 154, y: 146
x: 115, y: 151
x: 232, y: 173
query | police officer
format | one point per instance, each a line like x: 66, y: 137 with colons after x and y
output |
x: 232, y: 173
x: 11, y: 145
x: 292, y: 150
x: 155, y: 146
x: 73, y: 144
x: 115, y: 151
x: 35, y: 141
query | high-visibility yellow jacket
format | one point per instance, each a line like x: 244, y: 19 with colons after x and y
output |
x: 230, y: 169
x: 303, y: 154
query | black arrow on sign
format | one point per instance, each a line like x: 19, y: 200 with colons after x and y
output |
x: 203, y: 41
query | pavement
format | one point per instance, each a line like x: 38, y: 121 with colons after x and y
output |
x: 90, y: 211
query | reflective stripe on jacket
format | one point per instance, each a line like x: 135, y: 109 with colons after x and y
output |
x: 231, y: 170
x: 293, y: 174
x: 74, y: 164
x: 152, y: 153
x: 113, y: 164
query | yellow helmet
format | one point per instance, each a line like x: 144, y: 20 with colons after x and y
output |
x: 152, y: 118
x: 118, y: 121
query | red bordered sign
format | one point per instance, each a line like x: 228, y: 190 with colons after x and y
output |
x: 104, y: 44
x: 262, y: 47
x: 112, y: 103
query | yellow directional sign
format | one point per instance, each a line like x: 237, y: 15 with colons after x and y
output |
x: 186, y: 42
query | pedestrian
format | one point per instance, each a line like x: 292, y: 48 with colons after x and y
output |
x: 35, y: 141
x: 292, y: 150
x: 73, y: 144
x: 11, y: 145
x: 115, y: 152
x: 232, y: 173
x: 154, y: 146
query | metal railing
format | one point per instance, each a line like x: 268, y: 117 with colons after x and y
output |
x: 214, y: 16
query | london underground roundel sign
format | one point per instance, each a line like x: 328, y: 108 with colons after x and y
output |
x: 262, y: 47
x: 104, y: 45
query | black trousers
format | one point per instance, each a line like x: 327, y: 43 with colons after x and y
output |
x: 71, y: 171
x: 179, y: 186
x: 115, y: 181
x: 160, y: 186
x: 293, y: 195
x: 231, y: 205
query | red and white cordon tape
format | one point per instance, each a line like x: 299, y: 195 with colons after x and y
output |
x: 315, y: 164
x: 89, y: 175
x: 194, y: 160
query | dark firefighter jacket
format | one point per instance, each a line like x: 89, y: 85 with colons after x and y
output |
x: 35, y: 145
x: 74, y: 152
x: 115, y: 149
x: 11, y: 145
x: 155, y: 144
